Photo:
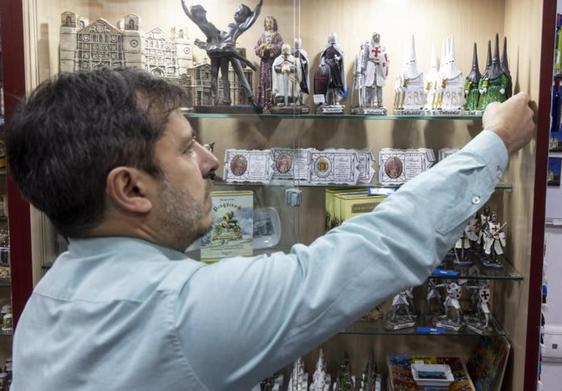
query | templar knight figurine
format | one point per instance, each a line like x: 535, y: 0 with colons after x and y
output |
x: 302, y: 56
x: 471, y: 91
x: 433, y: 84
x: 329, y: 80
x: 287, y: 76
x: 494, y: 242
x: 376, y: 72
x: 495, y: 85
x: 452, y: 317
x: 433, y: 297
x: 321, y: 380
x: 452, y: 81
x: 221, y: 48
x: 403, y: 313
x: 462, y: 246
x: 409, y: 87
x: 359, y: 99
x: 480, y: 321
x: 268, y: 48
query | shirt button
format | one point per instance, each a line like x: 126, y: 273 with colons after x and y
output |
x: 476, y: 200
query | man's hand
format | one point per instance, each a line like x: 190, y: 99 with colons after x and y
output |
x: 512, y: 120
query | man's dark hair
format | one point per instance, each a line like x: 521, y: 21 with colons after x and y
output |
x: 74, y: 129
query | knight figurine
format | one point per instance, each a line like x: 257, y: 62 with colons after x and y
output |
x: 496, y: 83
x: 302, y: 57
x: 376, y: 72
x: 494, y: 243
x: 480, y: 321
x: 329, y: 80
x: 409, y: 87
x: 433, y: 297
x: 452, y: 319
x: 286, y: 87
x: 471, y: 91
x: 461, y: 249
x: 403, y: 313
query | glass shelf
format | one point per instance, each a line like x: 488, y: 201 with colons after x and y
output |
x: 390, y: 117
x: 366, y: 327
x: 376, y: 189
x: 477, y: 271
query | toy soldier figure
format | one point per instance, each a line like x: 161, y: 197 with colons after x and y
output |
x: 330, y: 77
x: 480, y: 322
x: 494, y: 242
x: 471, y: 91
x: 221, y: 48
x: 403, y: 313
x: 409, y: 89
x: 359, y: 93
x: 321, y: 380
x: 268, y: 48
x: 376, y: 72
x: 452, y: 81
x: 452, y: 318
x: 495, y: 84
x: 461, y: 247
x: 433, y: 297
x: 287, y: 78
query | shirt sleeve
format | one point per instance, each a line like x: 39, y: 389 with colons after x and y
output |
x: 241, y: 319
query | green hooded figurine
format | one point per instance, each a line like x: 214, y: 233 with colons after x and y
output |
x: 495, y: 82
x: 471, y: 84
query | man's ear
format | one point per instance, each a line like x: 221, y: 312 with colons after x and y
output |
x: 128, y: 189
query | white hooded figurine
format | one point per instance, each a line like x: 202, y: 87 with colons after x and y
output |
x: 321, y: 379
x: 452, y: 80
x: 409, y: 87
x: 433, y: 83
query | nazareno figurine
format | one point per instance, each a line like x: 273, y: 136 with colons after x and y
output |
x: 452, y: 81
x: 329, y: 80
x: 268, y: 48
x: 471, y: 91
x: 302, y: 56
x: 299, y: 378
x: 433, y: 84
x: 286, y: 86
x: 409, y: 88
x: 495, y: 85
x: 452, y: 318
x: 403, y: 313
x: 494, y: 242
x: 221, y: 49
x: 321, y: 380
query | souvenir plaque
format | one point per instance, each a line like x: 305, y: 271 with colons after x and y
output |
x: 252, y: 166
x: 333, y: 166
x: 365, y: 160
x: 290, y: 164
x: 397, y: 166
x: 446, y: 152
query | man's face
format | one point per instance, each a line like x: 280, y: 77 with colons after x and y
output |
x: 183, y: 202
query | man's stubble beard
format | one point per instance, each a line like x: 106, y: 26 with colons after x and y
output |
x: 182, y: 216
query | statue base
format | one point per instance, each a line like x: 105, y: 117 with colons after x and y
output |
x: 399, y: 325
x: 331, y: 109
x: 408, y: 112
x: 491, y: 263
x: 226, y: 109
x: 296, y: 110
x: 369, y: 110
x: 448, y: 325
x: 474, y: 324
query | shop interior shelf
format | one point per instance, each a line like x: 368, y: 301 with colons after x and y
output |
x: 366, y: 327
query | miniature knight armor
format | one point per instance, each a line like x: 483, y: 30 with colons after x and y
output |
x: 286, y: 78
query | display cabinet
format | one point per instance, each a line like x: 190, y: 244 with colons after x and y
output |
x: 39, y: 48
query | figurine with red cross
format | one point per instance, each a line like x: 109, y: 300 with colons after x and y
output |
x: 376, y: 72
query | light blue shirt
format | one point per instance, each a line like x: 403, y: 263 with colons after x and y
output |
x: 116, y: 314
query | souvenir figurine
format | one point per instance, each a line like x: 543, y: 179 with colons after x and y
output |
x: 433, y: 297
x: 480, y: 321
x: 471, y: 91
x: 268, y: 48
x: 359, y: 99
x: 505, y: 69
x: 321, y: 380
x: 221, y: 48
x: 287, y: 78
x: 495, y: 82
x: 409, y: 87
x: 370, y: 380
x: 473, y: 233
x: 403, y: 313
x: 432, y: 84
x: 329, y: 80
x: 452, y: 81
x: 452, y: 316
x: 494, y: 242
x: 376, y: 72
x: 462, y: 245
x: 299, y: 378
x: 345, y: 381
x: 302, y: 57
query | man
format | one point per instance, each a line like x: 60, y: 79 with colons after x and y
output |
x: 113, y: 163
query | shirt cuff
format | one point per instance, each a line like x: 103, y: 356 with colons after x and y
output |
x: 491, y: 148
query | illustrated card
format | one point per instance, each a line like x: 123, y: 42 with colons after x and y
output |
x: 251, y: 166
x: 333, y: 166
x: 290, y: 164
